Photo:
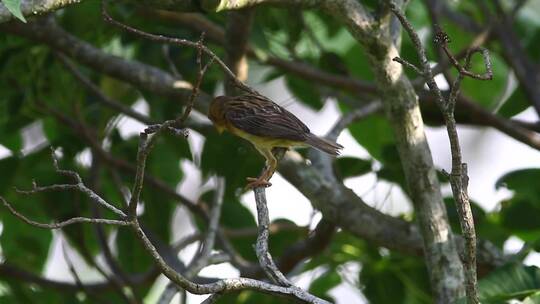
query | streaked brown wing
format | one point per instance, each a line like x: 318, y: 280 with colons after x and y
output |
x: 259, y: 116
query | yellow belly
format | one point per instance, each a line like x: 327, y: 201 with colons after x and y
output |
x: 265, y: 142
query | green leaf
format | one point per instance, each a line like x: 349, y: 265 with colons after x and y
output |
x: 378, y: 279
x: 521, y: 215
x: 486, y: 93
x: 230, y: 157
x: 324, y: 283
x: 521, y: 212
x: 14, y: 7
x: 512, y: 281
x: 515, y: 104
x: 352, y: 166
x: 12, y: 141
x: 394, y: 278
x: 281, y: 240
x: 235, y: 215
x: 521, y: 181
x: 305, y: 91
x: 532, y: 299
x: 131, y: 255
x: 374, y: 134
x: 357, y: 62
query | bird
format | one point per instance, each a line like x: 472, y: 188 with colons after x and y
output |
x: 266, y: 125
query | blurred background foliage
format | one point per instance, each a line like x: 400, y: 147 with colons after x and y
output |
x: 42, y: 105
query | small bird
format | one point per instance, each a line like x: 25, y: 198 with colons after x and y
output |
x: 267, y: 126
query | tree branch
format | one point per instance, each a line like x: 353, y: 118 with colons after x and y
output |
x: 401, y: 106
x: 62, y: 224
x: 261, y: 247
x: 458, y: 177
x: 31, y: 8
x: 236, y: 45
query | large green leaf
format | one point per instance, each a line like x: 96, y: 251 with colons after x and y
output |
x: 405, y: 277
x: 324, y: 283
x: 235, y: 215
x: 305, y: 91
x: 515, y: 104
x: 352, y: 166
x: 523, y: 183
x: 14, y: 7
x: 486, y: 93
x: 374, y: 134
x: 282, y: 239
x: 512, y: 281
x: 520, y: 213
x: 132, y: 257
x: 357, y: 63
x: 231, y: 157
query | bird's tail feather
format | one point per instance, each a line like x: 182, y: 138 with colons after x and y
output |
x: 324, y: 145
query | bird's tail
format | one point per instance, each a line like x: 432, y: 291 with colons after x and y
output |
x: 324, y: 145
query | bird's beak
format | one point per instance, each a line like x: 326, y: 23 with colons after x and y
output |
x: 220, y: 129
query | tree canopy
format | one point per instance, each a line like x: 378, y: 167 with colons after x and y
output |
x: 72, y: 71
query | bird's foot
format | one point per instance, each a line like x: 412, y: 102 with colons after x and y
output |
x: 257, y: 182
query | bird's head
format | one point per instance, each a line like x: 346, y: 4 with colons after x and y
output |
x: 216, y: 113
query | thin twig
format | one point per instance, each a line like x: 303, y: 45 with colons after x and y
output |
x: 353, y: 116
x: 200, y: 75
x: 442, y: 39
x: 95, y: 90
x: 62, y: 224
x: 167, y: 55
x: 176, y: 41
x: 79, y: 186
x: 77, y: 278
x: 204, y: 257
x: 409, y: 65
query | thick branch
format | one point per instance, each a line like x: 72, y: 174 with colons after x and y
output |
x: 458, y: 177
x: 31, y: 8
x: 401, y: 105
x: 236, y: 46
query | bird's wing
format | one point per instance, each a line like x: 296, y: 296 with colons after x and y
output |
x: 259, y: 116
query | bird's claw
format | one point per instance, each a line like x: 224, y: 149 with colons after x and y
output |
x: 257, y: 182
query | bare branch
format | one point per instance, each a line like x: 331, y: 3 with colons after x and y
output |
x: 442, y: 39
x: 92, y: 88
x: 167, y: 55
x: 261, y: 247
x: 79, y: 186
x: 221, y: 286
x: 202, y: 70
x: 409, y: 65
x: 353, y: 116
x: 176, y: 41
x: 63, y: 223
x: 202, y: 259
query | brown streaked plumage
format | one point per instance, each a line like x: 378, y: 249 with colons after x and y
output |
x: 266, y: 125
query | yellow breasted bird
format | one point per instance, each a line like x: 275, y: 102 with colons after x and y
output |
x: 267, y: 126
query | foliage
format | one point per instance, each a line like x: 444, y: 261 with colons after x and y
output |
x: 43, y: 105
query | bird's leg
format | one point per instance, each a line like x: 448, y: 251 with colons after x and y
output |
x: 270, y: 168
